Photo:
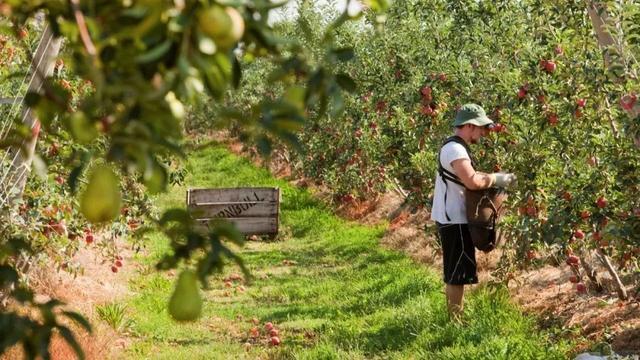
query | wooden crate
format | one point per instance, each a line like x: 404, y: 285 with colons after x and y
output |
x: 254, y: 211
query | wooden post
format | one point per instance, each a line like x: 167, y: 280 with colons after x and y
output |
x: 600, y: 20
x: 41, y: 67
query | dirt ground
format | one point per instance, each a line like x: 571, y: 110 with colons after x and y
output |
x: 94, y: 285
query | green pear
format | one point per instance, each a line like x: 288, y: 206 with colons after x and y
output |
x: 82, y: 128
x: 185, y: 303
x: 101, y: 199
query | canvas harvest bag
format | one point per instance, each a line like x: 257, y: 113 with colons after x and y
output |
x: 484, y: 207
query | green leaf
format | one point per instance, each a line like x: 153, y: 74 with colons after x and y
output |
x: 31, y: 99
x: 74, y: 175
x: 295, y: 95
x: 225, y: 228
x: 82, y: 129
x: 175, y: 215
x: 378, y: 5
x: 154, y: 54
x: 155, y: 177
x: 237, y: 73
x: 39, y: 166
x: 343, y: 54
x: 8, y: 276
x: 346, y: 82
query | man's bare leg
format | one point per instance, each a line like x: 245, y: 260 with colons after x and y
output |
x: 455, y: 294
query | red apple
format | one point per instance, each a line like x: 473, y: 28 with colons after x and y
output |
x: 88, y: 238
x: 114, y: 269
x: 255, y: 332
x: 578, y: 234
x: 59, y: 227
x: 499, y: 128
x: 53, y: 150
x: 597, y: 236
x: 442, y: 77
x: 275, y: 341
x: 558, y: 50
x: 531, y: 254
x: 572, y: 260
x: 573, y: 279
x: 426, y: 91
x: 553, y: 119
x: 426, y: 110
x: 601, y: 202
x: 228, y: 284
x: 118, y: 263
x: 628, y: 101
x: 268, y: 326
x: 584, y: 214
x: 549, y: 66
x: 581, y: 288
x: 581, y: 102
x: 22, y: 33
x: 273, y: 332
x: 567, y: 196
x: 522, y: 93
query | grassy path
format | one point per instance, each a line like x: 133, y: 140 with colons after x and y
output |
x: 344, y: 297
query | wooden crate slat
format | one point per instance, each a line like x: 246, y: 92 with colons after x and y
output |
x: 234, y: 210
x: 197, y: 196
x: 249, y: 226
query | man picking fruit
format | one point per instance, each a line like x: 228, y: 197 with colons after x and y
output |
x: 457, y: 173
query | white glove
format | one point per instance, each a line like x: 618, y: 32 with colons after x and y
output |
x: 503, y: 180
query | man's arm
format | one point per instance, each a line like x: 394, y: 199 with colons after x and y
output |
x: 472, y: 180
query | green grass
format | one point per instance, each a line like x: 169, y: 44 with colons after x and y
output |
x: 345, y: 298
x: 114, y: 314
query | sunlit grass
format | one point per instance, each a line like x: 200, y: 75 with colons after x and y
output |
x: 339, y: 295
x: 115, y: 315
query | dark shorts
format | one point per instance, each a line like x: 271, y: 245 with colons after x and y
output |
x: 458, y: 254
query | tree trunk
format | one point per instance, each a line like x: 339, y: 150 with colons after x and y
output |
x: 591, y: 274
x: 622, y: 291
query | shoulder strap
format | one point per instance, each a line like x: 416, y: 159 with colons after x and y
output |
x: 458, y: 139
x: 447, y: 175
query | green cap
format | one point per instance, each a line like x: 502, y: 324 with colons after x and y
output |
x: 472, y: 114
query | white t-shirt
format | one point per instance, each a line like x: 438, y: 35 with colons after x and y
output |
x: 456, y: 206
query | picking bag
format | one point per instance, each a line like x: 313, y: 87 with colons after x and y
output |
x: 484, y: 208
